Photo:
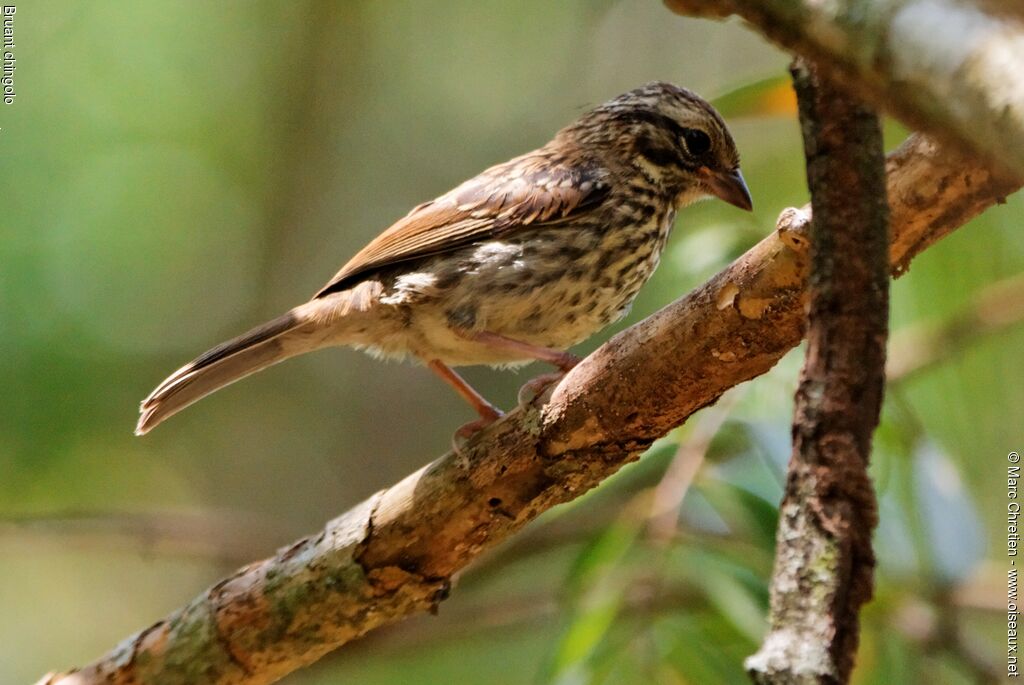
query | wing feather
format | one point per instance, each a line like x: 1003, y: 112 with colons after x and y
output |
x: 532, y: 190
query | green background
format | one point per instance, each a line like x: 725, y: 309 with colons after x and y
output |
x: 174, y: 173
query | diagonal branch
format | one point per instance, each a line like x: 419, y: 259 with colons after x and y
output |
x: 393, y: 555
x: 824, y: 562
x: 994, y: 309
x: 948, y: 67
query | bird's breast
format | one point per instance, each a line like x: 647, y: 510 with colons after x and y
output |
x: 552, y: 286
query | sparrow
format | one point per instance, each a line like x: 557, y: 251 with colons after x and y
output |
x: 515, y: 265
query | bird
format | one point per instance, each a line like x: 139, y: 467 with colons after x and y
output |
x: 515, y: 265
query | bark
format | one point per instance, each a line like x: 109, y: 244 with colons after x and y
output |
x: 394, y: 554
x: 948, y: 67
x: 824, y: 561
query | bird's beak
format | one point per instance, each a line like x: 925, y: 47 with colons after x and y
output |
x: 728, y: 186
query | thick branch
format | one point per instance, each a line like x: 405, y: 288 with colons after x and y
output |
x: 824, y: 562
x: 394, y: 554
x: 949, y: 67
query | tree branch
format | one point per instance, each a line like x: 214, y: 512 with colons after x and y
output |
x: 393, y: 555
x: 994, y: 309
x: 225, y: 536
x: 824, y: 562
x: 948, y: 67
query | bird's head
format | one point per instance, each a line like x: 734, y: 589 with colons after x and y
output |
x: 674, y: 138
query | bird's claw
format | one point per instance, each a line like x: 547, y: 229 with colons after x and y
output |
x: 467, y: 431
x: 539, y: 387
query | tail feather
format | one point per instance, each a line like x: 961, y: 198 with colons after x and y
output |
x: 317, y: 323
x: 221, y: 366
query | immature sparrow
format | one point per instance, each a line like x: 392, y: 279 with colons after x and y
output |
x: 514, y: 265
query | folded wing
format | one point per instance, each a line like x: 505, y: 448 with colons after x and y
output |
x: 536, y: 189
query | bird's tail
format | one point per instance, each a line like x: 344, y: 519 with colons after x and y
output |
x: 303, y: 329
x: 224, y: 364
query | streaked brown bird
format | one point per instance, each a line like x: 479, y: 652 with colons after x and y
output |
x: 514, y: 265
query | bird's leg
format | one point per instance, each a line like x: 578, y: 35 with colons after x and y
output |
x: 487, y: 411
x: 563, y: 360
x: 533, y: 388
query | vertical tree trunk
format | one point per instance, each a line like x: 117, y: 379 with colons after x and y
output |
x: 824, y: 560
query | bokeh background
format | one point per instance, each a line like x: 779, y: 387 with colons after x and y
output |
x: 173, y: 173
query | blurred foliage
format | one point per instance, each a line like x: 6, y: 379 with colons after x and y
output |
x: 175, y: 173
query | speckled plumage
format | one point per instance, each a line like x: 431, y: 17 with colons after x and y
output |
x: 525, y: 259
x: 553, y: 288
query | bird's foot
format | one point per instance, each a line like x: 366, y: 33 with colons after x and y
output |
x: 467, y: 431
x: 540, y: 387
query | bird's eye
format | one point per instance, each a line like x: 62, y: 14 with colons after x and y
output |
x: 697, y: 142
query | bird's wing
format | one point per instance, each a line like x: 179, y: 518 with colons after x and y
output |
x: 531, y: 190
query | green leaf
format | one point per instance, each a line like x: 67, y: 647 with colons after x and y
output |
x: 772, y: 96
